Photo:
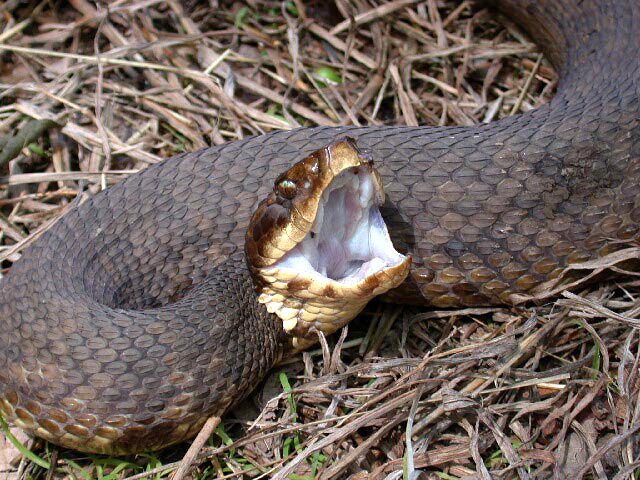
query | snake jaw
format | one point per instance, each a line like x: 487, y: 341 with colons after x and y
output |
x: 318, y: 248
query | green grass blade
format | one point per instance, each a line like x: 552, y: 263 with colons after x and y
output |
x: 83, y: 473
x: 28, y: 454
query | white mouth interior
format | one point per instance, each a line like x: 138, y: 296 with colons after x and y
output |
x: 349, y: 240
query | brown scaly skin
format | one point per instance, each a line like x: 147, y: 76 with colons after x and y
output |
x: 111, y: 380
x: 94, y: 344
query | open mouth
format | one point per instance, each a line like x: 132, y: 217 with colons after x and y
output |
x: 317, y: 247
x: 348, y: 240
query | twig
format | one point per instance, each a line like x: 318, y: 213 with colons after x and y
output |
x: 370, y: 15
x: 527, y: 84
x: 106, y: 146
x: 206, y: 431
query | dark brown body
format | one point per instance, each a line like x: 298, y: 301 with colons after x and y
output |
x: 95, y: 353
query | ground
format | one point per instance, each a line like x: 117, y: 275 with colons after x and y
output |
x: 92, y: 92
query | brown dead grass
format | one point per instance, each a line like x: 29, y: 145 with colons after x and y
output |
x: 532, y: 392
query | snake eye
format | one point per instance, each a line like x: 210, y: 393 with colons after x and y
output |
x: 287, y: 188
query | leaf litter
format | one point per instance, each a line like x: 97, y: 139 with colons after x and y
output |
x: 91, y: 92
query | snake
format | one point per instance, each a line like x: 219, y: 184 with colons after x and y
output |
x: 163, y: 300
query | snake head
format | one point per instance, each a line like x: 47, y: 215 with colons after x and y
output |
x: 317, y: 246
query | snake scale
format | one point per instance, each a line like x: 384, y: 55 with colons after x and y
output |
x: 134, y: 318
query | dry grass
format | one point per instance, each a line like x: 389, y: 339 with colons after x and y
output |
x: 533, y: 392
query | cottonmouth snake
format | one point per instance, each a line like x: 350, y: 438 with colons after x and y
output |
x: 135, y: 317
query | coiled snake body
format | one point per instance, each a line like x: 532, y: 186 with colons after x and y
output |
x: 134, y: 318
